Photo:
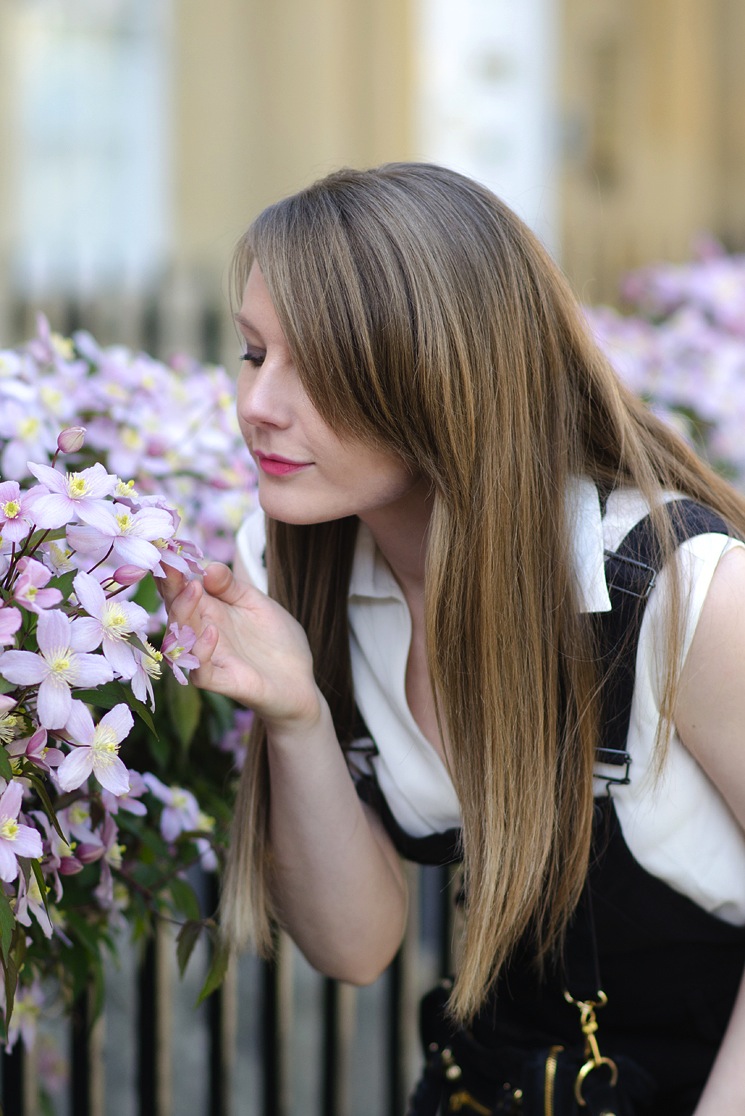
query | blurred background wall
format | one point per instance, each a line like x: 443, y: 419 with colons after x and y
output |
x: 139, y: 137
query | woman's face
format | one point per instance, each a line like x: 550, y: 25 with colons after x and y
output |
x: 307, y: 473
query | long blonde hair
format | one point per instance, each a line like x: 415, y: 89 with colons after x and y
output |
x: 424, y: 316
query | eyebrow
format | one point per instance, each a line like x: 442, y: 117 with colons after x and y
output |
x: 243, y: 321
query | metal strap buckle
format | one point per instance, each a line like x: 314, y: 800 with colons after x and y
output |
x: 645, y: 573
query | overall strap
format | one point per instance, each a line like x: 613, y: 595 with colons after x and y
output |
x: 631, y: 572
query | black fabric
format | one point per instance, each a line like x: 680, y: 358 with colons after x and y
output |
x: 435, y: 848
x: 671, y: 971
x: 630, y: 573
x: 519, y: 1076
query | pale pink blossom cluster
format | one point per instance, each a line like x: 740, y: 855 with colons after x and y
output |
x: 103, y: 454
x: 681, y: 346
x: 67, y: 628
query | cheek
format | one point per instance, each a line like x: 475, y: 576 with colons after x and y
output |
x: 241, y: 399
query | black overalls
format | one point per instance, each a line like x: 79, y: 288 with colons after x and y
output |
x: 671, y: 971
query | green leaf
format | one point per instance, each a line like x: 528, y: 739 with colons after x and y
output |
x: 39, y: 877
x: 64, y: 583
x: 45, y: 535
x: 10, y: 972
x: 184, y: 898
x: 147, y: 595
x: 185, y: 707
x: 216, y: 972
x: 187, y: 938
x: 5, y: 768
x: 7, y: 925
x: 113, y: 693
x: 46, y: 801
x: 84, y: 933
x: 222, y: 709
x: 103, y: 697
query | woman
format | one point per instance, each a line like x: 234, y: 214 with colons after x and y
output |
x: 443, y: 457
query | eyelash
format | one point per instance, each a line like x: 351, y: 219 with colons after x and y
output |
x: 256, y: 359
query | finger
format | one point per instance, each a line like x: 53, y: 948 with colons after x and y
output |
x: 206, y: 643
x: 220, y: 582
x: 185, y: 608
x: 171, y: 585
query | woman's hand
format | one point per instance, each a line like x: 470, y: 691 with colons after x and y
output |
x: 335, y: 875
x: 248, y: 646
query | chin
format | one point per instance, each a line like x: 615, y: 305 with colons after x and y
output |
x: 282, y: 512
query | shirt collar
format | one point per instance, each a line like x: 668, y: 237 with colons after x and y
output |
x: 588, y: 550
x: 372, y: 577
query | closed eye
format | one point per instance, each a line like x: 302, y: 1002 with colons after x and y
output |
x: 254, y: 356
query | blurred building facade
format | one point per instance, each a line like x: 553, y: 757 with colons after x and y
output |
x: 139, y: 137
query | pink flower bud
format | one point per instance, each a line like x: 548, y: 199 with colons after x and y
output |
x: 71, y: 439
x: 88, y: 853
x: 128, y: 575
x: 70, y: 866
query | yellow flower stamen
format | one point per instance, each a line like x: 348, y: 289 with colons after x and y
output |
x: 77, y: 486
x: 29, y: 428
x: 114, y: 621
x: 9, y: 722
x: 9, y: 829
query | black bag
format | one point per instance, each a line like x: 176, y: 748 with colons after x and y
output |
x: 515, y: 1079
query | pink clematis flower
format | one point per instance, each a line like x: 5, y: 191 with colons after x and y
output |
x: 112, y: 858
x: 97, y: 750
x: 29, y: 901
x: 181, y: 813
x: 15, y: 519
x: 71, y: 496
x: 15, y: 839
x: 35, y: 750
x: 129, y: 802
x: 148, y: 667
x: 110, y: 622
x: 176, y: 648
x: 62, y: 662
x: 28, y: 588
x: 10, y: 622
x: 131, y: 534
x: 27, y: 1011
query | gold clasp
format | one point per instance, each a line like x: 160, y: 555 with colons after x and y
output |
x: 589, y: 1024
x: 461, y: 1100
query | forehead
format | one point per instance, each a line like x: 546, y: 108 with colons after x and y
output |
x: 257, y: 313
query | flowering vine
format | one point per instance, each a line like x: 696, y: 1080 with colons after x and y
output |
x: 111, y: 790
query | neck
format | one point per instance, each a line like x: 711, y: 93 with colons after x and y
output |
x: 400, y: 531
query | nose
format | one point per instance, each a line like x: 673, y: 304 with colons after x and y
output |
x: 261, y: 400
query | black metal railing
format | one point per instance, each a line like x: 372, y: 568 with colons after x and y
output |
x: 363, y: 1043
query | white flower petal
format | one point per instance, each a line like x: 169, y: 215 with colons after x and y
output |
x: 80, y: 723
x: 8, y: 862
x: 53, y: 703
x: 75, y: 769
x: 112, y: 774
x: 89, y: 593
x: 119, y: 720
